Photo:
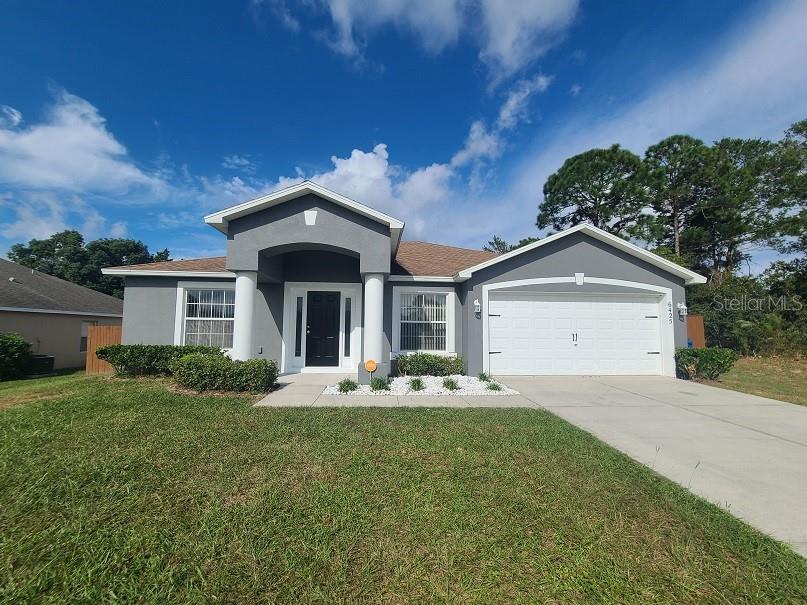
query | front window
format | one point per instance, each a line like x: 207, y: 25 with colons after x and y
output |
x: 209, y: 317
x: 423, y: 322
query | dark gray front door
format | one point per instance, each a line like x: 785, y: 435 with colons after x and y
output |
x: 322, y: 329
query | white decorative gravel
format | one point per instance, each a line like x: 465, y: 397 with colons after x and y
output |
x: 469, y: 385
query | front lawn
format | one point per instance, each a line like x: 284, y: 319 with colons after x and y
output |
x: 120, y: 491
x: 775, y: 377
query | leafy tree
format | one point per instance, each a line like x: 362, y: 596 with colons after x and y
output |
x: 66, y: 256
x: 792, y: 164
x: 739, y: 207
x: 497, y: 244
x: 603, y: 187
x: 675, y: 180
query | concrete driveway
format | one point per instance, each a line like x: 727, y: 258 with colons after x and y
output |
x: 747, y: 454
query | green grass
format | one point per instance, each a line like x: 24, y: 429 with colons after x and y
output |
x: 779, y: 378
x: 120, y: 491
x: 13, y: 392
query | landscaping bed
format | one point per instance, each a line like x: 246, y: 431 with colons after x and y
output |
x: 432, y: 385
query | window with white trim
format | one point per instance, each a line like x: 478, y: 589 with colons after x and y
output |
x: 209, y: 317
x: 423, y: 321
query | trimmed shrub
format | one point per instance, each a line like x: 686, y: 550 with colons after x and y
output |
x: 430, y: 364
x: 203, y: 372
x: 379, y: 384
x: 347, y: 385
x: 494, y: 386
x: 450, y: 384
x: 14, y: 354
x: 416, y: 384
x: 484, y: 377
x: 147, y: 360
x: 704, y: 364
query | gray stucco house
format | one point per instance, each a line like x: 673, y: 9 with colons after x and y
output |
x: 322, y: 283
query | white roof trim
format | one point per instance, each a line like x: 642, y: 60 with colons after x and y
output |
x: 220, y: 219
x: 424, y: 278
x: 689, y: 277
x: 56, y: 312
x: 153, y: 273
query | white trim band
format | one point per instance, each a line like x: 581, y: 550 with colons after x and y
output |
x: 53, y: 312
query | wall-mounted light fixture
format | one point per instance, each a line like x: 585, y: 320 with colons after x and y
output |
x: 682, y: 310
x: 477, y: 306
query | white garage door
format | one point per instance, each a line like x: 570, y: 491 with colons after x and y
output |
x: 574, y: 334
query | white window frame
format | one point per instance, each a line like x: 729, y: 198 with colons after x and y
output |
x: 451, y: 313
x: 182, y: 288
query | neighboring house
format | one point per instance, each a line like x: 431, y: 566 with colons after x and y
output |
x: 322, y: 283
x: 52, y: 314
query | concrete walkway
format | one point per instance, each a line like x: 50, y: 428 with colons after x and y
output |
x: 747, y: 454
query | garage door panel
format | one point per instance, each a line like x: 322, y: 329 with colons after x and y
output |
x: 534, y: 335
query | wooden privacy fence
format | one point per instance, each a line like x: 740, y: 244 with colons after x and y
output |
x: 100, y: 336
x: 695, y: 331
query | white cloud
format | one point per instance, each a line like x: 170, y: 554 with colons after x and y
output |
x: 480, y: 144
x: 514, y: 109
x: 510, y: 34
x: 118, y: 229
x: 575, y: 89
x: 41, y: 214
x: 70, y: 150
x: 9, y: 117
x: 752, y: 84
x: 483, y: 143
x: 517, y: 32
x: 239, y: 162
x: 436, y: 23
x: 279, y: 10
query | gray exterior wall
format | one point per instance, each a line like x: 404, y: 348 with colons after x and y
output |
x: 282, y: 228
x: 149, y: 307
x: 149, y: 312
x: 53, y: 334
x: 576, y: 253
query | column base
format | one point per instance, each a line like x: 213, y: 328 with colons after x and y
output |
x: 383, y: 370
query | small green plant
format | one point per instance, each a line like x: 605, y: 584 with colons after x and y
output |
x: 450, y: 384
x: 347, y: 385
x: 484, y: 377
x: 379, y: 384
x: 704, y: 364
x: 416, y: 384
x: 494, y: 386
x: 14, y: 354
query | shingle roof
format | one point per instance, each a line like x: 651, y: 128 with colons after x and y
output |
x: 423, y: 258
x: 20, y: 288
x: 211, y: 264
x: 413, y: 258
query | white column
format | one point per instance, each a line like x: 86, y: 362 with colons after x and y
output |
x: 246, y: 287
x: 373, y: 316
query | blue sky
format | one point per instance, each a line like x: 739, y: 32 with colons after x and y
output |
x: 138, y: 119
